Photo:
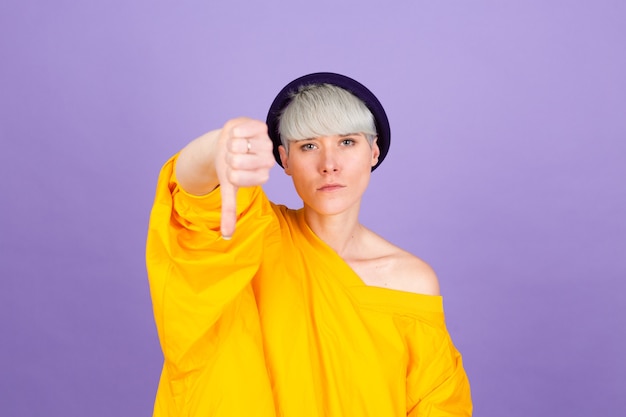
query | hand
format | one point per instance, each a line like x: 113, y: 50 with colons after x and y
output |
x: 244, y: 159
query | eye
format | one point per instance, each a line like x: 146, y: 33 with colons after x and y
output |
x: 348, y: 142
x: 307, y: 146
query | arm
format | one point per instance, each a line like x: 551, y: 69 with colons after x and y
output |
x: 204, y: 308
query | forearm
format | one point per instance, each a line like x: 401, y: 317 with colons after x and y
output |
x: 195, y: 167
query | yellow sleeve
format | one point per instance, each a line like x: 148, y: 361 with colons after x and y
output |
x: 204, y: 307
x: 437, y: 384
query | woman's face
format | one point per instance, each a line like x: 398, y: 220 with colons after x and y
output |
x: 330, y: 173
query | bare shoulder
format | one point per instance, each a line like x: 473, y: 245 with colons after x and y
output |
x: 415, y: 275
x: 386, y: 265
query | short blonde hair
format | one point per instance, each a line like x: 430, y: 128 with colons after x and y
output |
x: 324, y: 110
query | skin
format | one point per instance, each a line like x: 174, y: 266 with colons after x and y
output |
x: 330, y: 174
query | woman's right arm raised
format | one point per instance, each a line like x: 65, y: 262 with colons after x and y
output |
x: 237, y: 155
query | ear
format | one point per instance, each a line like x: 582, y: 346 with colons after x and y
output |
x: 284, y: 159
x: 375, y: 151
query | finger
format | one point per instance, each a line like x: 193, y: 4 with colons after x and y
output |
x: 261, y: 144
x: 229, y: 210
x: 239, y: 145
x: 251, y: 145
x: 249, y: 161
x: 250, y: 178
x: 249, y: 128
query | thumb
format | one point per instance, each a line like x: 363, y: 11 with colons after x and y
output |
x: 229, y: 209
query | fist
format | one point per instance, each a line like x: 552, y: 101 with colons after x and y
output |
x: 244, y: 159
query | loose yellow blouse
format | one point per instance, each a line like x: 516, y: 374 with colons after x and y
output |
x: 274, y: 323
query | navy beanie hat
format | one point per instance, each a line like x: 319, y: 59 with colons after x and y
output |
x: 359, y: 90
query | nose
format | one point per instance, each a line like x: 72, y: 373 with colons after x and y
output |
x: 329, y: 162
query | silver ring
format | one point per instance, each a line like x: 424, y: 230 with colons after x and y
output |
x: 249, y: 145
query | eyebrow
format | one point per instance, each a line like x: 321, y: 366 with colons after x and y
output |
x: 341, y: 136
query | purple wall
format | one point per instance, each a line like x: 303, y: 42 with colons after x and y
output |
x: 507, y: 173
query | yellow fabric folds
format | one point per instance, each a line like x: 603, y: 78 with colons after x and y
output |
x: 274, y: 323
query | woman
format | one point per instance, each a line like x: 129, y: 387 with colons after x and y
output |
x: 266, y: 311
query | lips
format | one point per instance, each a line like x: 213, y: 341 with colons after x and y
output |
x: 330, y: 187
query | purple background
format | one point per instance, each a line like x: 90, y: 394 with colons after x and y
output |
x: 507, y: 173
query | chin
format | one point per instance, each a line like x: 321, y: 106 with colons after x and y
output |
x: 332, y: 208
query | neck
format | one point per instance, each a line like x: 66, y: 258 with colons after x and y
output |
x: 338, y: 231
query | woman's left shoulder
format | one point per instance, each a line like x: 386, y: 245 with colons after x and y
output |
x: 404, y: 271
x: 414, y: 274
